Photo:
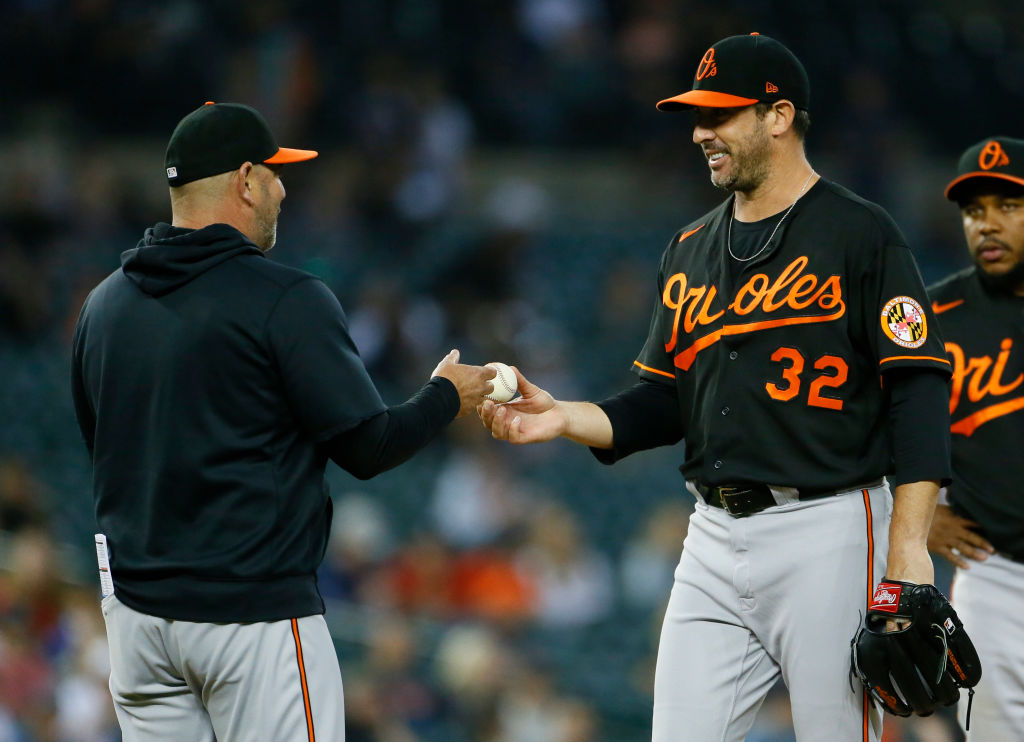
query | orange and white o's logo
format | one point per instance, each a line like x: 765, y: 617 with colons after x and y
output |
x: 992, y: 155
x: 707, y: 66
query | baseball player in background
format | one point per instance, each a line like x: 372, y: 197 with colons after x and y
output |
x: 211, y: 385
x: 792, y: 347
x: 981, y: 529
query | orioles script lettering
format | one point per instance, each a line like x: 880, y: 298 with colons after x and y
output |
x: 794, y: 289
x: 983, y: 378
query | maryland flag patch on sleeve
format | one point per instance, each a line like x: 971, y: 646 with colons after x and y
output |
x: 904, y: 323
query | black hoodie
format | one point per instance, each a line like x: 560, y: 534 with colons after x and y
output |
x: 207, y: 382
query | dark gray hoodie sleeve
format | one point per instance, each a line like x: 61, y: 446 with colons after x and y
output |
x: 392, y: 437
x: 325, y: 382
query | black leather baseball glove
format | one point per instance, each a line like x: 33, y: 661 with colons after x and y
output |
x: 922, y: 664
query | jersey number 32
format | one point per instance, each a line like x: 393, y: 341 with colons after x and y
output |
x: 833, y: 372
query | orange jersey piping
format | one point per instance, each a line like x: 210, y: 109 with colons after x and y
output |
x: 654, y: 370
x: 914, y: 358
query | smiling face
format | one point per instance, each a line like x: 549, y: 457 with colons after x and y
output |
x: 993, y: 219
x: 737, y: 144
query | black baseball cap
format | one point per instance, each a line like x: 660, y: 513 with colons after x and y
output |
x: 1001, y: 158
x: 743, y: 70
x: 217, y: 138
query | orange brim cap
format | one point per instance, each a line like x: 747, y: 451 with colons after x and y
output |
x: 284, y: 154
x: 980, y: 174
x: 704, y: 98
x: 217, y: 138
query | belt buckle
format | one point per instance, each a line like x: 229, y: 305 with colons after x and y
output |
x: 722, y: 491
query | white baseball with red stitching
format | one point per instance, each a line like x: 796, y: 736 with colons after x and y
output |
x: 505, y: 383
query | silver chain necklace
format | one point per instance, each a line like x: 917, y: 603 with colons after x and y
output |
x: 778, y: 224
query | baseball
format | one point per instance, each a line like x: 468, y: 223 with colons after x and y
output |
x: 505, y: 383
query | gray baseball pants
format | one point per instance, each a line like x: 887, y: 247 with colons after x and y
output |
x: 776, y: 594
x: 989, y: 599
x: 232, y: 682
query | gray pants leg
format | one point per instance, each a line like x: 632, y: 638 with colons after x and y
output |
x: 990, y: 601
x: 253, y: 682
x: 779, y: 593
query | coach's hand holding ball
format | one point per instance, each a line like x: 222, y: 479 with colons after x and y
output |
x: 471, y: 382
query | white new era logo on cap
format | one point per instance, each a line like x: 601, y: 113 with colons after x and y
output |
x: 172, y: 172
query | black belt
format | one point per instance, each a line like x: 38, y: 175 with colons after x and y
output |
x: 746, y: 499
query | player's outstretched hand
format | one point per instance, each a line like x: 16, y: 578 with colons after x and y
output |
x: 533, y: 399
x: 471, y: 382
x: 531, y: 418
x: 955, y: 539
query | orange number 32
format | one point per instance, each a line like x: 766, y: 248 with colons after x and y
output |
x: 834, y: 374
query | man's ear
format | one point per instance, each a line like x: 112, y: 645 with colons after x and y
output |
x: 243, y: 183
x: 785, y: 112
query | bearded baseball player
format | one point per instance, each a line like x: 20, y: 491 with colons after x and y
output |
x: 981, y: 528
x: 211, y: 385
x: 793, y: 349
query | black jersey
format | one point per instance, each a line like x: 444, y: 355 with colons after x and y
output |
x: 206, y: 381
x: 984, y: 334
x: 778, y: 367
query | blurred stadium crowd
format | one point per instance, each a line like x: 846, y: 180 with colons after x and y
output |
x: 493, y: 177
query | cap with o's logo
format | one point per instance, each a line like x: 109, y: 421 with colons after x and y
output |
x: 1001, y: 158
x: 743, y: 70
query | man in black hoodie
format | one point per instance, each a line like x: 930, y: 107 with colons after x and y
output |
x: 211, y: 385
